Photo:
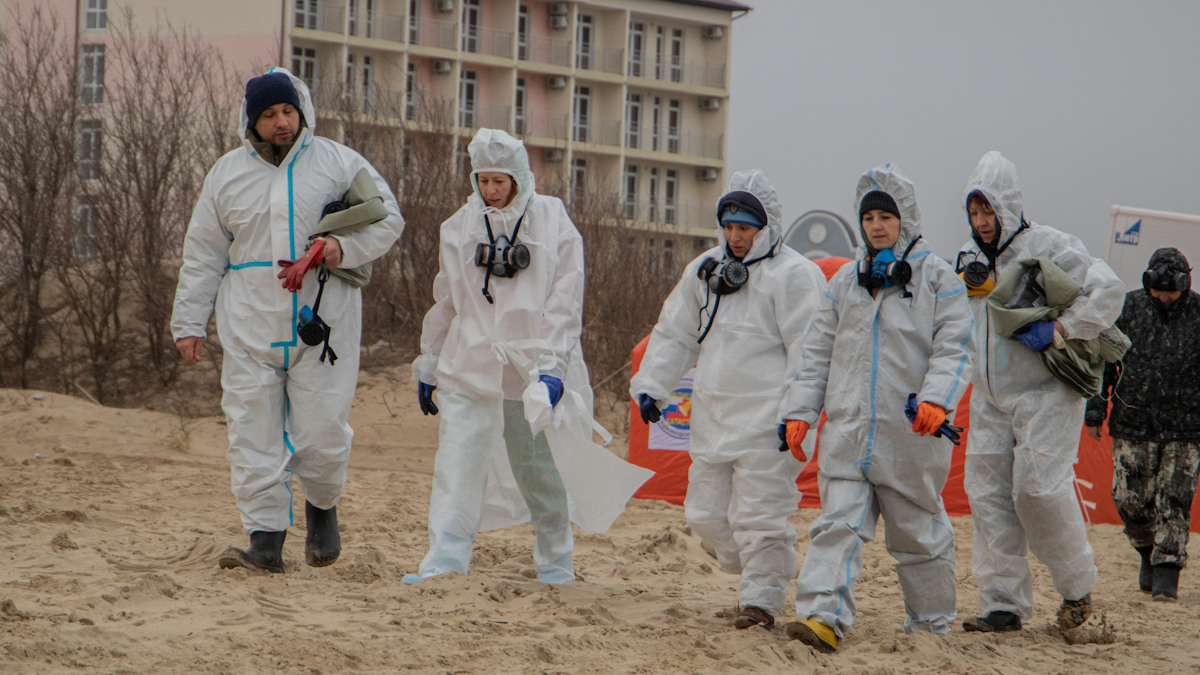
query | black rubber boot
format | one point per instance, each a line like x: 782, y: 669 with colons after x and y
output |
x: 265, y: 553
x: 323, y: 544
x: 1166, y: 582
x: 1146, y: 571
x: 993, y: 622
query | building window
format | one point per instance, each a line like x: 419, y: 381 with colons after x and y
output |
x: 523, y: 33
x: 367, y: 23
x: 367, y: 77
x: 633, y: 120
x: 519, y: 106
x: 652, y: 198
x: 306, y: 14
x: 304, y: 65
x: 583, y: 116
x: 656, y: 125
x: 631, y: 186
x: 470, y: 31
x: 673, y: 118
x: 660, y: 46
x: 578, y: 176
x: 671, y: 197
x: 87, y: 223
x: 668, y: 256
x: 90, y: 146
x: 91, y: 74
x: 637, y: 44
x: 583, y: 42
x: 677, y: 55
x: 414, y: 21
x: 410, y: 93
x: 466, y: 98
x: 96, y: 15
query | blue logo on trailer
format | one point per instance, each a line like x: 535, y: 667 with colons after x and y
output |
x: 1129, y: 236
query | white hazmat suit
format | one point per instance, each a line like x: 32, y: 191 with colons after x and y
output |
x: 485, y: 358
x: 862, y: 358
x: 287, y: 412
x: 1025, y: 423
x: 741, y: 488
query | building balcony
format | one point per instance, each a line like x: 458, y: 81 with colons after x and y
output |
x: 488, y: 41
x: 433, y: 33
x: 675, y: 142
x: 489, y: 116
x: 605, y: 60
x: 544, y: 124
x: 600, y: 130
x: 555, y: 51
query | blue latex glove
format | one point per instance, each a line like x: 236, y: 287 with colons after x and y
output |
x: 649, y: 409
x: 554, y: 385
x: 782, y: 431
x: 1037, y: 335
x: 425, y: 398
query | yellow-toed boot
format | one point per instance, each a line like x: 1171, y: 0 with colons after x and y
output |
x: 814, y: 634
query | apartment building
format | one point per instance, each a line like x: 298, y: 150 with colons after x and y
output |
x: 630, y: 95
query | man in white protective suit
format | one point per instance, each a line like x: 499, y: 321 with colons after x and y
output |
x: 501, y: 347
x: 1025, y: 422
x: 739, y: 314
x: 285, y: 401
x: 887, y: 359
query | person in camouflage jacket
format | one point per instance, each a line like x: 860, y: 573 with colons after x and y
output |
x: 1155, y: 419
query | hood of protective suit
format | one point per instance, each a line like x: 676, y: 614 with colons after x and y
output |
x: 495, y: 150
x: 888, y: 178
x: 308, y: 124
x: 756, y: 183
x: 996, y: 179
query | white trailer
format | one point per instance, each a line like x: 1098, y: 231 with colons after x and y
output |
x: 1137, y: 233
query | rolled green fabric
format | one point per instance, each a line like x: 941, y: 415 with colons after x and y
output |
x: 364, y: 206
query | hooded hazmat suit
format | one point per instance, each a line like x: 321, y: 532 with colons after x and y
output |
x: 1025, y: 422
x: 862, y: 358
x: 479, y: 355
x: 286, y: 411
x: 741, y: 488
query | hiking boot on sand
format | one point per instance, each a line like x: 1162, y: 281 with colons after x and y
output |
x: 265, y: 553
x: 814, y: 634
x: 1146, y: 571
x: 993, y: 622
x: 1072, y: 613
x: 323, y: 543
x: 753, y: 616
x: 1166, y: 583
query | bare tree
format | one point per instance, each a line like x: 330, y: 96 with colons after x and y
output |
x: 38, y: 114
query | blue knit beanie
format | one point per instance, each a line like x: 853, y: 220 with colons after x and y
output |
x: 264, y: 91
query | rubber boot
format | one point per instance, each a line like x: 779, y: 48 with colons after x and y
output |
x: 1166, y: 582
x: 323, y: 544
x: 265, y: 553
x: 1146, y: 571
x: 993, y: 622
x: 1072, y: 613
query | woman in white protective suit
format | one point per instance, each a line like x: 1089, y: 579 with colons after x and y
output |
x: 739, y: 315
x: 894, y: 324
x: 1025, y: 423
x: 502, y: 335
x: 286, y: 403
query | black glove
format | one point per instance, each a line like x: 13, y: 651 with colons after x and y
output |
x: 425, y: 398
x: 649, y: 409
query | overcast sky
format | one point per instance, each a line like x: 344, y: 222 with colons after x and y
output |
x: 1097, y: 102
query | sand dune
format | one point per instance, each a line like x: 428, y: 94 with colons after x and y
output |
x: 111, y: 522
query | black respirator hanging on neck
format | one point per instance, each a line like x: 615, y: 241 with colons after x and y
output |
x: 501, y: 256
x: 872, y: 275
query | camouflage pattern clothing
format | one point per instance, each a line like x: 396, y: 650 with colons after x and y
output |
x: 1153, y: 487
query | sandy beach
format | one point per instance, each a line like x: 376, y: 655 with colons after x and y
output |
x: 111, y: 521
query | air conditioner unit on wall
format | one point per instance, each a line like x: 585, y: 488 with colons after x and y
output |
x: 444, y: 6
x: 443, y: 67
x: 713, y: 32
x: 710, y: 103
x: 553, y: 155
x: 560, y: 8
x: 556, y: 81
x: 559, y: 21
x: 707, y: 173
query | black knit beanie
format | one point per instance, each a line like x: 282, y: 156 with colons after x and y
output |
x: 264, y: 91
x: 877, y: 199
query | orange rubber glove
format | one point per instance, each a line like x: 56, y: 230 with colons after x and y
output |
x: 293, y: 271
x: 929, y: 417
x: 796, y: 431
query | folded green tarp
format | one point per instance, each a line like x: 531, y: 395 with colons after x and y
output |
x: 364, y: 206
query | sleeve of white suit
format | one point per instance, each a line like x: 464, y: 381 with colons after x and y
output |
x: 436, y: 324
x: 368, y: 243
x: 806, y: 393
x: 205, y: 261
x: 796, y: 306
x: 950, y: 356
x: 1103, y: 295
x: 672, y: 349
x: 562, y: 320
